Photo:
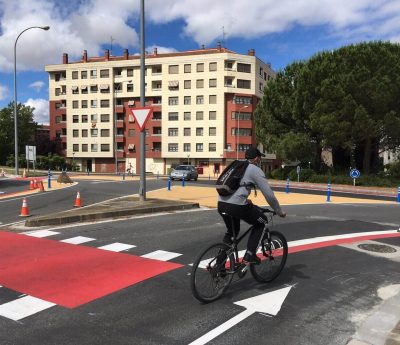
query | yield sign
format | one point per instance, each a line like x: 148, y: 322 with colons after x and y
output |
x: 141, y: 116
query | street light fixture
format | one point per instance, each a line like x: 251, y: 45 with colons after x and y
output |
x: 238, y: 131
x: 15, y: 93
x: 115, y: 122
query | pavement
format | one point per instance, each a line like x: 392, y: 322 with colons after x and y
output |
x: 194, y: 196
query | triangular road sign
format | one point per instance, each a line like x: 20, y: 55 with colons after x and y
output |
x: 141, y: 116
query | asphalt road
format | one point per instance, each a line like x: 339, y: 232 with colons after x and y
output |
x: 333, y: 289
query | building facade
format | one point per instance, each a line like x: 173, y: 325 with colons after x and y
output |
x: 202, y: 100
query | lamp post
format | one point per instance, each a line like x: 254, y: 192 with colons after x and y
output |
x: 15, y: 93
x: 115, y: 122
x: 238, y: 131
x: 73, y: 161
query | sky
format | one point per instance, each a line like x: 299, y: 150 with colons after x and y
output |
x: 280, y: 31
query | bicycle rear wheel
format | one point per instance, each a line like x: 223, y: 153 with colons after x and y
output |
x: 212, y: 273
x: 273, y: 254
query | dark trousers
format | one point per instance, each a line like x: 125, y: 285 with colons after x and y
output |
x: 250, y: 214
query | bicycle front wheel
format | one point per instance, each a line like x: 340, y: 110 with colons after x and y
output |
x: 212, y: 273
x: 273, y: 254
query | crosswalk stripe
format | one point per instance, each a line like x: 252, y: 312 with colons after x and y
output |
x: 117, y: 247
x: 78, y: 240
x: 40, y: 233
x: 161, y: 255
x: 23, y: 307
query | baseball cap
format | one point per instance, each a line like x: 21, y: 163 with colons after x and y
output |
x: 253, y: 152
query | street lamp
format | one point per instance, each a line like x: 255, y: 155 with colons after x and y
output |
x: 238, y: 131
x: 73, y: 159
x: 115, y: 122
x: 15, y: 93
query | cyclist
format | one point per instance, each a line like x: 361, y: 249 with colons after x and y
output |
x: 239, y: 207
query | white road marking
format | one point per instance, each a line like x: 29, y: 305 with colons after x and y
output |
x: 161, y: 255
x: 23, y: 307
x: 78, y: 240
x: 117, y: 247
x: 40, y: 233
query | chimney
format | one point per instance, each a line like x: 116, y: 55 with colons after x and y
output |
x: 155, y: 51
x: 219, y: 46
x: 65, y: 59
x: 251, y: 52
x: 126, y: 54
x: 85, y: 56
x: 107, y: 55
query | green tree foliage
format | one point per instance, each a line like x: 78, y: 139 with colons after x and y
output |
x: 347, y: 100
x: 26, y: 129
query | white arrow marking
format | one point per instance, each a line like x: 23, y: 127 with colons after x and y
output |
x: 269, y: 303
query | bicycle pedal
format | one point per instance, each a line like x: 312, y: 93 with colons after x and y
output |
x: 242, y: 270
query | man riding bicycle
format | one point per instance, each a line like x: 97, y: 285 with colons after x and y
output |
x: 237, y: 206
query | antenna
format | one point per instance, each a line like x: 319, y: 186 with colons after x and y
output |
x: 111, y: 39
x: 223, y: 36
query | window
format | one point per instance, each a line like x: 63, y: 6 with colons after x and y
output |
x: 212, y: 147
x: 187, y: 84
x: 63, y: 131
x: 75, y: 118
x: 199, y: 131
x: 58, y: 119
x: 94, y: 132
x: 172, y: 132
x: 187, y: 68
x: 200, y: 83
x: 129, y: 87
x: 84, y: 103
x: 241, y: 100
x: 105, y: 133
x: 173, y: 117
x: 93, y: 103
x: 243, y: 84
x: 84, y: 133
x: 118, y: 72
x: 187, y: 116
x: 212, y: 115
x: 57, y: 91
x: 157, y: 131
x: 75, y: 75
x: 93, y: 118
x: 83, y: 74
x: 244, y: 67
x: 241, y: 116
x: 199, y: 99
x: 173, y: 101
x: 105, y: 88
x: 84, y: 118
x: 75, y: 133
x: 105, y: 147
x: 94, y: 88
x: 84, y: 147
x: 212, y: 99
x: 243, y: 132
x: 105, y: 103
x: 75, y: 90
x: 199, y: 147
x: 105, y: 118
x: 199, y: 115
x: 173, y: 85
x: 212, y: 131
x: 93, y: 73
x: 187, y: 100
x: 131, y: 133
x: 84, y: 89
x: 212, y: 83
x: 64, y: 117
x: 186, y: 147
x: 75, y: 104
x: 129, y: 72
x: 186, y: 132
x: 200, y: 67
x: 120, y: 132
x: 75, y: 147
x: 173, y: 147
x: 260, y: 86
x: 104, y: 73
x: 212, y: 66
x: 173, y: 69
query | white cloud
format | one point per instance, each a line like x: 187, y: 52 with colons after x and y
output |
x: 37, y: 85
x: 3, y: 92
x: 41, y: 112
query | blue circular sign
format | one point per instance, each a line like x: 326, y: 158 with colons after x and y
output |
x: 354, y: 173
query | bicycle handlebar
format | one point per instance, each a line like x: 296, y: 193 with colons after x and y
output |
x: 266, y: 210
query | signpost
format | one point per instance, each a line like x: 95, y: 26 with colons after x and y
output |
x: 30, y: 154
x: 354, y: 173
x: 298, y: 173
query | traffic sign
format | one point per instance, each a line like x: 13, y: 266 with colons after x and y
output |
x: 298, y: 169
x: 354, y: 173
x: 141, y: 116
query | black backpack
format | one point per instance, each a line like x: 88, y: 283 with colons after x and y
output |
x: 229, y: 180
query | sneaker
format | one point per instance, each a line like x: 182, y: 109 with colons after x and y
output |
x: 251, y: 259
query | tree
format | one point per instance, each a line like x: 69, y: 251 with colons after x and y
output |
x: 26, y: 129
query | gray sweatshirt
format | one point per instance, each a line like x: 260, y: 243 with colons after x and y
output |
x: 253, y: 175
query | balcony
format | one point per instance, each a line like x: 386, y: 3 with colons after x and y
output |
x: 120, y: 154
x: 119, y: 108
x: 119, y: 138
x: 120, y: 123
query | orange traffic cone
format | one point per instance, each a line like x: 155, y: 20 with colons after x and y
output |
x: 31, y: 185
x: 24, y: 209
x: 35, y: 184
x: 78, y: 200
x: 41, y: 187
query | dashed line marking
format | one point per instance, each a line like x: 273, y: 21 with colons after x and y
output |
x: 161, y: 255
x: 78, y: 240
x: 117, y: 247
x: 40, y: 233
x: 23, y: 307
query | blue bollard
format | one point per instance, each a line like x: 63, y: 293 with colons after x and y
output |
x: 287, y: 186
x: 183, y: 181
x: 328, y: 196
x: 398, y: 194
x: 48, y: 179
x: 169, y: 183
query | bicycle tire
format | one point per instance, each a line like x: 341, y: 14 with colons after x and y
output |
x: 209, y: 278
x: 273, y: 258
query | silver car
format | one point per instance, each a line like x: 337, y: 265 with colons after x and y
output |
x: 188, y: 172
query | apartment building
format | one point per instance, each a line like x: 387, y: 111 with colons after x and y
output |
x: 203, y: 102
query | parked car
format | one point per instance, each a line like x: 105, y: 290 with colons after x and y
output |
x: 188, y: 172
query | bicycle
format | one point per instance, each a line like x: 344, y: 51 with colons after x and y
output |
x: 215, y: 267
